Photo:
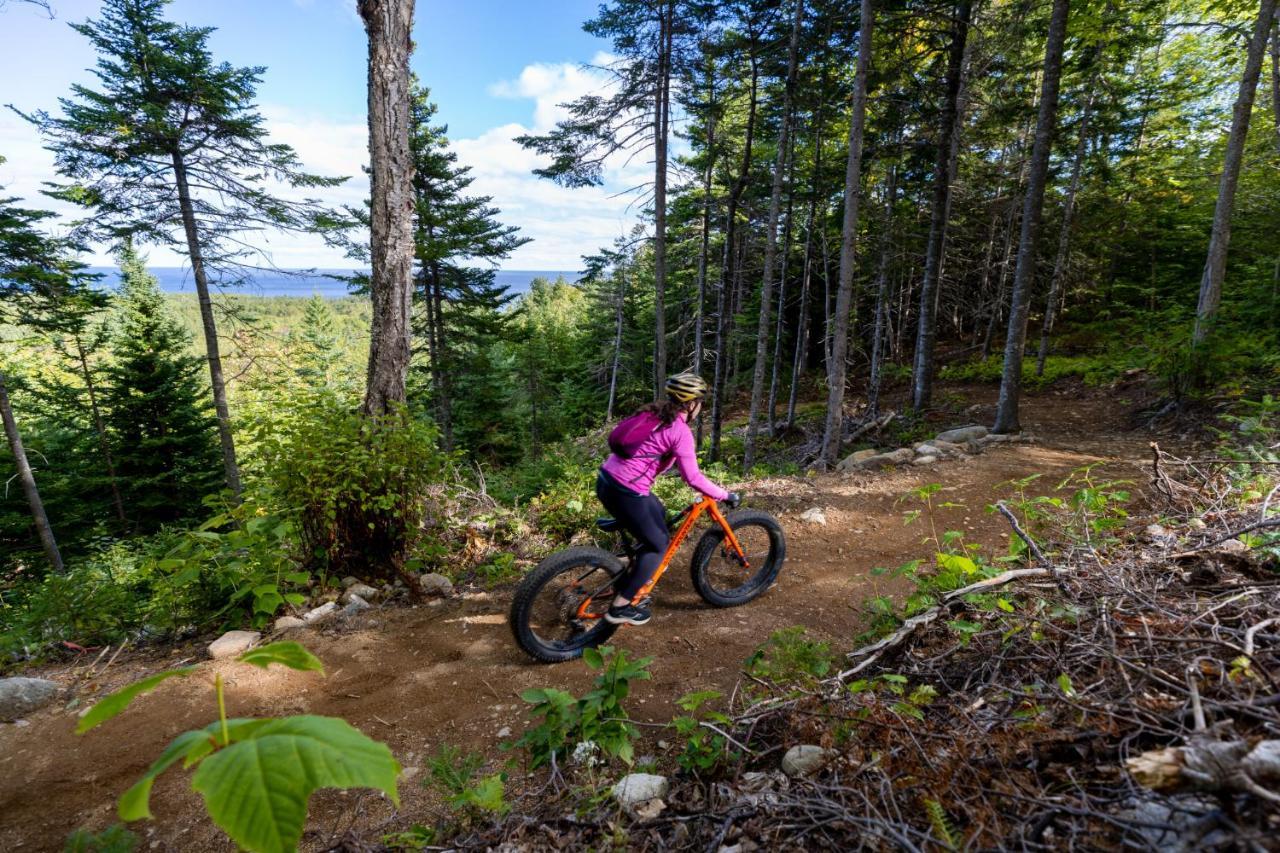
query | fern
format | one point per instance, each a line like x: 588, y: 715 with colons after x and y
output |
x: 941, y: 823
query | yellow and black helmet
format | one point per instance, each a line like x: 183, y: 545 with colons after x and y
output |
x: 684, y: 387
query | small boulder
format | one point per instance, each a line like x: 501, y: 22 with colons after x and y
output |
x: 1160, y: 535
x: 361, y: 591
x: 901, y: 456
x: 1197, y: 524
x: 284, y: 623
x: 924, y: 460
x: 851, y: 462
x: 814, y: 515
x: 1233, y: 546
x: 804, y: 759
x: 434, y: 583
x: 960, y: 435
x: 636, y: 788
x: 350, y: 581
x: 505, y: 731
x: 233, y: 643
x: 19, y: 696
x: 354, y: 604
x: 324, y: 611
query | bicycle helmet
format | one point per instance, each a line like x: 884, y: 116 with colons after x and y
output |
x: 685, y: 387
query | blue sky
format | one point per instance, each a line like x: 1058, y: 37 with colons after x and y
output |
x: 496, y: 68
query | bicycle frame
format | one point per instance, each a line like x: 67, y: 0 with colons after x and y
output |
x: 690, y: 515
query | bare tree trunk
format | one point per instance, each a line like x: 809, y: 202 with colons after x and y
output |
x: 444, y: 387
x: 882, y: 295
x: 1275, y: 77
x: 617, y: 345
x: 775, y: 379
x: 806, y: 272
x: 28, y: 481
x: 771, y: 247
x: 1033, y: 208
x: 1216, y: 263
x: 216, y: 379
x: 849, y: 234
x: 922, y: 378
x: 100, y: 427
x: 1064, y: 236
x: 389, y: 24
x: 730, y: 272
x: 705, y: 247
x: 662, y: 106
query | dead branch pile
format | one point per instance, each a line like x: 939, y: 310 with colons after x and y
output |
x: 1130, y: 699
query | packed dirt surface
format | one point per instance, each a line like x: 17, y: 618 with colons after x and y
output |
x: 447, y: 672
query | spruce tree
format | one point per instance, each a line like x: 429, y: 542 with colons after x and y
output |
x: 170, y: 150
x: 315, y: 347
x: 164, y: 435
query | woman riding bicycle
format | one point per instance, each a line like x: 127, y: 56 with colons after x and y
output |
x: 625, y: 481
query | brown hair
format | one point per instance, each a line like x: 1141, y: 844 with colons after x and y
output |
x: 666, y: 410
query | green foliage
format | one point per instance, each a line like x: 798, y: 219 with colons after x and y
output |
x: 598, y: 716
x: 256, y: 775
x: 941, y: 823
x: 789, y: 657
x: 705, y: 749
x: 113, y: 839
x: 285, y: 652
x: 453, y: 773
x: 358, y: 488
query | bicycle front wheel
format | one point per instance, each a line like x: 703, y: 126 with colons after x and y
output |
x: 721, y: 577
x: 559, y: 607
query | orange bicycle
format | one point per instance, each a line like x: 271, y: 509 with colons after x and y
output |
x: 559, y: 607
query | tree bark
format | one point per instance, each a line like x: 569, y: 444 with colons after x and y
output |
x: 771, y: 247
x: 617, y: 345
x: 1216, y: 263
x: 388, y: 24
x: 848, y: 239
x: 1064, y: 236
x: 1032, y: 209
x: 922, y: 377
x: 216, y: 379
x: 28, y: 479
x: 775, y: 378
x: 661, y: 112
x: 100, y: 427
x: 882, y: 295
x: 1275, y: 76
x: 705, y: 244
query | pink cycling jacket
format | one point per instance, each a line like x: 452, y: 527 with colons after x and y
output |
x: 667, y: 446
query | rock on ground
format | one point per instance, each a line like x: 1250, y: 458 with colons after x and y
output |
x: 324, y: 611
x: 875, y: 462
x: 284, y: 623
x: 233, y: 643
x: 434, y: 583
x: 804, y: 759
x: 815, y: 515
x: 19, y: 696
x: 354, y: 604
x: 924, y: 460
x: 361, y: 591
x: 850, y: 462
x: 960, y: 435
x: 636, y: 788
x: 350, y: 581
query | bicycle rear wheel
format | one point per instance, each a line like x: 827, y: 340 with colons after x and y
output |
x: 720, y: 577
x: 559, y: 607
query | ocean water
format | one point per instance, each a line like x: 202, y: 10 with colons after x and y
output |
x: 305, y: 284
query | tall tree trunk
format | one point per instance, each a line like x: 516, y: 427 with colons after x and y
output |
x: 28, y: 479
x: 704, y: 249
x: 882, y: 295
x: 1275, y: 77
x: 775, y: 379
x: 1032, y: 209
x: 617, y: 346
x: 440, y: 366
x: 101, y: 429
x: 661, y: 111
x: 848, y: 237
x: 730, y: 272
x: 389, y: 24
x: 806, y: 271
x: 1064, y: 236
x: 771, y: 247
x: 230, y: 468
x: 922, y: 378
x: 1216, y: 263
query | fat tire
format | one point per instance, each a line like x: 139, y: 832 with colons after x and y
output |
x: 527, y: 593
x: 764, y: 577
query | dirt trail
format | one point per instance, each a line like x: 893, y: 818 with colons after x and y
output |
x: 447, y: 672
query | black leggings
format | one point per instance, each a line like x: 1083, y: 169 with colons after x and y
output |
x: 644, y: 517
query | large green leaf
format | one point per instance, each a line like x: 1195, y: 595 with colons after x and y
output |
x: 285, y: 652
x: 135, y: 803
x: 118, y: 701
x: 256, y: 790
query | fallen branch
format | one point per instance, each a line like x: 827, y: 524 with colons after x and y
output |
x: 878, y: 648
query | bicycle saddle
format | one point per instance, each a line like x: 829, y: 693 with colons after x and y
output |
x: 608, y: 524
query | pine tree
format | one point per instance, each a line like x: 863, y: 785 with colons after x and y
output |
x: 315, y: 348
x: 165, y: 438
x: 172, y: 151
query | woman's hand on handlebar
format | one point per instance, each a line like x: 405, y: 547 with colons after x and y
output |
x: 732, y: 500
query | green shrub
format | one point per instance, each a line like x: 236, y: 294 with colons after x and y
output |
x: 789, y: 657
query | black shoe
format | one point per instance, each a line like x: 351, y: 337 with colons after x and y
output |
x: 628, y: 614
